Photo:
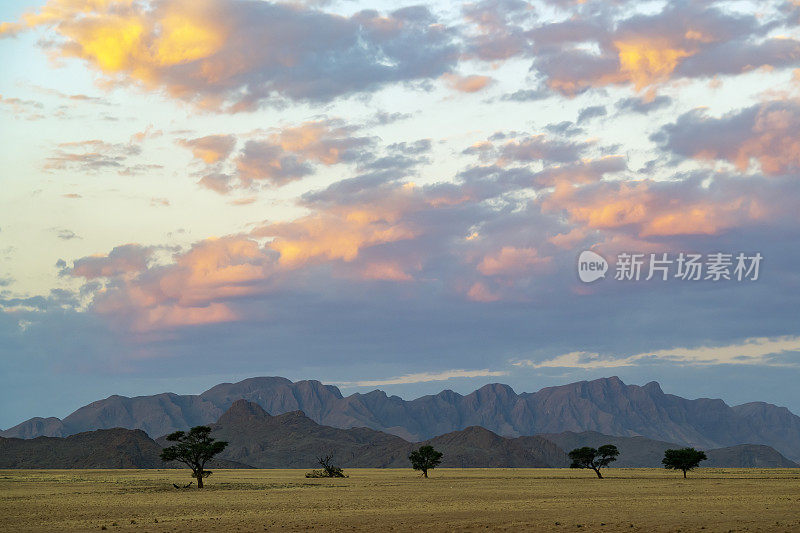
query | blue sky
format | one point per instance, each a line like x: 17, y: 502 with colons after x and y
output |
x: 393, y: 196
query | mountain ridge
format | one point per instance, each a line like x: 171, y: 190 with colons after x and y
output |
x: 292, y: 440
x: 605, y: 405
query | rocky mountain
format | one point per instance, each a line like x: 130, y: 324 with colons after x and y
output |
x: 638, y: 452
x: 747, y: 456
x: 477, y: 447
x: 105, y: 448
x: 292, y: 440
x: 606, y: 405
x: 102, y: 448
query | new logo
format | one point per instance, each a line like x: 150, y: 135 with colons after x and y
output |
x: 591, y: 266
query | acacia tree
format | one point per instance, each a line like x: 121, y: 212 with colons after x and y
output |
x: 683, y: 459
x: 328, y: 468
x: 194, y: 449
x: 595, y: 459
x: 424, y: 459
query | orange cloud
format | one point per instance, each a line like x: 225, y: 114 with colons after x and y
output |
x: 188, y: 292
x: 387, y: 270
x: 510, y: 261
x: 340, y: 234
x: 339, y: 231
x: 120, y: 37
x: 235, y: 55
x: 479, y: 292
x: 645, y: 62
x: 650, y: 210
x: 211, y: 148
x: 467, y: 84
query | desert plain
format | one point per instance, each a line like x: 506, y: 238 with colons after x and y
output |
x: 400, y: 500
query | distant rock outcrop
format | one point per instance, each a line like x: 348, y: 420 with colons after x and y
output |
x: 641, y: 452
x: 105, y: 448
x: 102, y: 448
x: 606, y: 405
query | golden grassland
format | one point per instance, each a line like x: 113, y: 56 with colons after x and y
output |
x: 400, y: 500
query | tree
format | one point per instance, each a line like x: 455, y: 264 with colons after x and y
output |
x: 595, y: 459
x: 424, y: 459
x: 683, y: 459
x: 194, y: 449
x: 328, y: 469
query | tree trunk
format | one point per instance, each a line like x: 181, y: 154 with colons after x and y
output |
x: 684, y: 474
x: 199, y: 476
x: 597, y: 471
x: 425, y: 473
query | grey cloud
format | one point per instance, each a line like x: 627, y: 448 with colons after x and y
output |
x: 264, y: 161
x: 588, y: 113
x: 95, y: 156
x: 127, y: 258
x: 643, y: 106
x: 765, y: 132
x: 566, y: 128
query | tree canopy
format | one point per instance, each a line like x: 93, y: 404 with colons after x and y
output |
x: 194, y: 449
x: 683, y: 459
x: 328, y: 468
x: 595, y: 459
x: 424, y: 459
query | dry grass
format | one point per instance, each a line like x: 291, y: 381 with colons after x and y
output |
x: 399, y: 500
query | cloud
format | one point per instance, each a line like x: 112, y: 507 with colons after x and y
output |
x: 751, y: 351
x: 683, y: 40
x: 591, y: 112
x: 289, y: 154
x: 280, y: 155
x: 190, y: 291
x: 496, y: 29
x: 527, y: 149
x: 211, y: 148
x: 66, y: 235
x: 528, y: 95
x: 340, y: 230
x: 467, y: 84
x: 124, y: 259
x: 510, y: 260
x: 765, y: 133
x: 423, y: 377
x: 238, y: 55
x: 539, y: 147
x: 28, y: 109
x: 217, y: 182
x: 648, y: 208
x: 643, y: 105
x: 95, y: 156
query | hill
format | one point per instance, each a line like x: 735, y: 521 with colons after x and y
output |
x: 292, y: 440
x: 102, y: 448
x: 105, y: 448
x: 636, y: 452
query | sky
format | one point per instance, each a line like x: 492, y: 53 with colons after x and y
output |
x: 396, y: 196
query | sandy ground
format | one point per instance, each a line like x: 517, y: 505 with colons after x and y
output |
x: 399, y: 500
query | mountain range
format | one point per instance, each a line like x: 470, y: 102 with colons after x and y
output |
x: 292, y: 440
x: 606, y: 406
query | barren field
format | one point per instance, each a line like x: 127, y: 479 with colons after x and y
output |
x: 400, y: 500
